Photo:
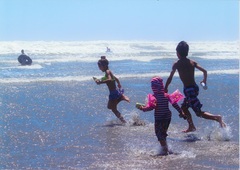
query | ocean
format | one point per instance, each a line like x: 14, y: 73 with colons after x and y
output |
x: 54, y: 116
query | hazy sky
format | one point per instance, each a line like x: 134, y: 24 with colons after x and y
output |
x: 158, y: 20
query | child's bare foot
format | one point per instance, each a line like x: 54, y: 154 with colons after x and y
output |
x: 190, y: 129
x: 222, y: 124
x: 126, y: 98
x: 122, y: 119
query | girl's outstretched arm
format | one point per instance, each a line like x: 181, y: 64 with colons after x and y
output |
x: 118, y: 82
x: 145, y: 108
x: 108, y: 77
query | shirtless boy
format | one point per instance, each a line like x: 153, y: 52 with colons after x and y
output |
x: 186, y: 69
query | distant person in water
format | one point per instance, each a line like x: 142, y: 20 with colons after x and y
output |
x: 186, y: 69
x: 110, y: 80
x: 108, y: 50
x: 23, y: 59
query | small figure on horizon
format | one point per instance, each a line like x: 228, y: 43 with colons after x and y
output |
x: 108, y: 50
x: 186, y: 69
x: 23, y: 59
x: 116, y: 94
x: 162, y: 113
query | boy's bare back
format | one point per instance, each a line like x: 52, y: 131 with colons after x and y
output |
x: 186, y: 69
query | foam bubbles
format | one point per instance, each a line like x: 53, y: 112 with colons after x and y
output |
x: 187, y: 154
x: 134, y: 119
x: 219, y: 134
x: 222, y: 134
x: 135, y: 50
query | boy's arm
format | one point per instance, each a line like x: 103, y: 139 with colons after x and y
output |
x: 204, y: 73
x: 169, y: 80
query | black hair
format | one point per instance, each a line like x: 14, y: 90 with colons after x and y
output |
x: 183, y: 49
x: 103, y: 61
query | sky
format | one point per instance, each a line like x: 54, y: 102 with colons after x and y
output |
x: 91, y: 20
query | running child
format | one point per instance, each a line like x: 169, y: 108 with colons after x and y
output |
x: 162, y: 113
x: 186, y: 70
x: 110, y: 80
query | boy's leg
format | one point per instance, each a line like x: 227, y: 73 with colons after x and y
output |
x: 191, y: 127
x: 192, y: 101
x: 217, y: 118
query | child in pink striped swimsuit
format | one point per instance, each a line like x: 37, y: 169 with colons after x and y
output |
x: 162, y: 114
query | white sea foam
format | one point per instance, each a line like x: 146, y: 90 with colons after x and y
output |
x: 63, y: 61
x: 33, y: 66
x: 89, y: 78
x: 121, y: 50
x: 220, y: 134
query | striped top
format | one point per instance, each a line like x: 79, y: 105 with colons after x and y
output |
x: 162, y: 110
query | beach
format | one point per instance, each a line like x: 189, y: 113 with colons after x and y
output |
x: 54, y: 116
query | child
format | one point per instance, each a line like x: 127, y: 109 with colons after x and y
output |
x: 185, y: 68
x: 115, y: 96
x: 162, y: 114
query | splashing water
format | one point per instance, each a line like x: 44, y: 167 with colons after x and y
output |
x: 219, y: 134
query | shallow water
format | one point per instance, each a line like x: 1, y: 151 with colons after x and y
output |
x: 53, y: 116
x: 67, y: 125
